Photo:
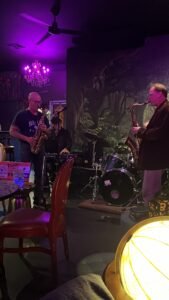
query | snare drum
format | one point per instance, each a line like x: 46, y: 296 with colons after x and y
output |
x: 112, y: 162
x: 117, y: 186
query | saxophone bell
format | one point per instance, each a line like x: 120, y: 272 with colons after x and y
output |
x: 39, y: 137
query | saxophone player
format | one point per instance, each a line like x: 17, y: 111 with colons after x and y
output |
x: 154, y: 146
x: 26, y: 128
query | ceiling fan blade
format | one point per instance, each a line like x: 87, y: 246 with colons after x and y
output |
x: 32, y: 19
x: 69, y: 31
x: 44, y: 38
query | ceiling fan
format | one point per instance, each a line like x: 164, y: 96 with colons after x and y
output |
x: 53, y: 29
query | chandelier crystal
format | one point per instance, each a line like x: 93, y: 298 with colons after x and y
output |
x: 37, y: 74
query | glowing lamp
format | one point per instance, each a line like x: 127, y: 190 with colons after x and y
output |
x: 140, y: 270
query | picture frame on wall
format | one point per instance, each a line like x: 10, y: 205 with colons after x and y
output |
x: 58, y: 108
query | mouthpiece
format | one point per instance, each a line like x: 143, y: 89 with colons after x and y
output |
x: 139, y: 104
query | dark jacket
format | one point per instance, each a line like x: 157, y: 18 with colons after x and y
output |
x: 154, y: 146
x: 56, y: 143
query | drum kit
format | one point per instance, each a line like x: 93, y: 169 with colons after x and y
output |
x: 116, y: 177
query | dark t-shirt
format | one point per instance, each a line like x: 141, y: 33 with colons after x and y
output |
x: 27, y: 122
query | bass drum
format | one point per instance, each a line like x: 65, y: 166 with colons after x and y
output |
x: 117, y: 186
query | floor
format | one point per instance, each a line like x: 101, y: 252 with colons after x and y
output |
x: 93, y: 238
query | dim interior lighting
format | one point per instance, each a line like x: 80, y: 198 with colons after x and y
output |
x: 36, y: 74
x: 140, y: 270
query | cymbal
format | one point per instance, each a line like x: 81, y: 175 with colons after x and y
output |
x: 121, y: 148
x: 91, y: 136
x: 94, y: 137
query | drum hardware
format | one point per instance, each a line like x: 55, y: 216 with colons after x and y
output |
x: 136, y: 200
x: 138, y: 213
x: 96, y: 166
x: 93, y: 153
x: 93, y: 181
x: 94, y: 137
x: 50, y: 166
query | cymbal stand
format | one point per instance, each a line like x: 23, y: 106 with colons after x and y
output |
x: 94, y: 166
x: 93, y: 153
x: 95, y: 178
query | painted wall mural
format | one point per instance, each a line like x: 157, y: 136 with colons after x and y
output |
x: 102, y: 86
x: 10, y: 86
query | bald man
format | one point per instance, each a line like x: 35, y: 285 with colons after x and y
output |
x: 154, y: 146
x: 23, y: 128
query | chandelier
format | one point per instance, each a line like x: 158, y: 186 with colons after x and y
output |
x: 37, y: 74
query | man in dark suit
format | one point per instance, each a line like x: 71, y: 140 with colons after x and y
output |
x: 154, y: 146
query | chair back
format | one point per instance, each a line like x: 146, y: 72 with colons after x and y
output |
x: 60, y: 191
x: 2, y: 152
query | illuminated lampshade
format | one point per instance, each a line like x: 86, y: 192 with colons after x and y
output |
x: 36, y: 74
x: 140, y: 270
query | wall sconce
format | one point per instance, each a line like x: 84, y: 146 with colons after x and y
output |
x: 140, y: 270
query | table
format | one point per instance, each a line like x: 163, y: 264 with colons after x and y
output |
x: 7, y: 189
x: 10, y: 190
x: 21, y: 197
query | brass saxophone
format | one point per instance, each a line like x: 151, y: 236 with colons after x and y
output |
x: 39, y: 137
x: 132, y: 141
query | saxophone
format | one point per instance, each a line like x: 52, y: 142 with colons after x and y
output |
x: 39, y: 137
x: 132, y: 142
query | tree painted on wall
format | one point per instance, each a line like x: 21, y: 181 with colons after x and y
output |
x: 101, y: 88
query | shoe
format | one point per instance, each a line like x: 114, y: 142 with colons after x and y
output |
x: 39, y: 206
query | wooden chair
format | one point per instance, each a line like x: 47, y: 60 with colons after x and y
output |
x: 30, y: 223
x: 2, y: 152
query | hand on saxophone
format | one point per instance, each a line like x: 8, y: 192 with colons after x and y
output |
x: 29, y: 139
x: 65, y: 150
x: 135, y: 129
x: 43, y: 127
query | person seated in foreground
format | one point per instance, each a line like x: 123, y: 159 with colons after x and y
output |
x: 84, y: 287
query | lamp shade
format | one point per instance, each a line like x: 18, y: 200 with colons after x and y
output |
x: 140, y: 270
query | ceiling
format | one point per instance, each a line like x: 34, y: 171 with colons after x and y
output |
x: 103, y: 24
